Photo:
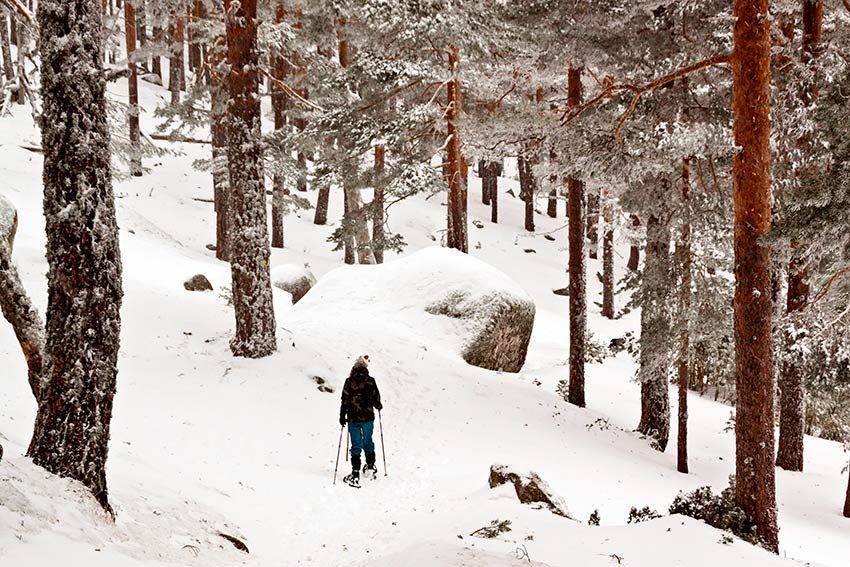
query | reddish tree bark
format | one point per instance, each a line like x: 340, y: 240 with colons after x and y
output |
x: 249, y: 244
x: 754, y: 434
x: 684, y: 253
x: 457, y: 235
x: 494, y: 191
x: 132, y: 89
x: 195, y: 14
x: 789, y: 455
x: 378, y: 204
x: 484, y: 172
x: 578, y: 279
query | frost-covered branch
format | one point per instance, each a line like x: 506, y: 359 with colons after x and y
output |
x: 612, y: 89
x: 18, y: 309
x: 21, y: 9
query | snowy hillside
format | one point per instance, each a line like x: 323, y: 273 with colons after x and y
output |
x: 205, y: 444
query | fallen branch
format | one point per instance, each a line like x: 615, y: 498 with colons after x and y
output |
x: 184, y: 139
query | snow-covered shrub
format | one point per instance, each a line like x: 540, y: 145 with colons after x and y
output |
x: 717, y: 510
x: 643, y: 515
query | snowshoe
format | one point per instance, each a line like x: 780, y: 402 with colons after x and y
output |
x: 352, y: 480
x: 370, y: 472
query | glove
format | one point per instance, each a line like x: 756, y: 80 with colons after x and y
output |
x: 342, y: 421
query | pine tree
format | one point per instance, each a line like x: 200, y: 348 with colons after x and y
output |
x: 755, y: 491
x: 249, y: 244
x: 84, y: 280
x: 457, y: 235
x: 683, y: 251
x: 593, y: 199
x: 279, y: 103
x: 133, y: 88
x: 577, y: 270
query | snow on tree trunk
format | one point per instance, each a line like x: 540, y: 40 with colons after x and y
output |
x: 142, y: 32
x: 792, y: 401
x: 249, y: 244
x: 593, y: 224
x: 457, y: 235
x: 279, y: 102
x: 608, y: 262
x: 19, y: 311
x: 578, y: 276
x: 8, y: 68
x: 754, y: 435
x: 132, y: 89
x: 634, y: 250
x: 655, y: 335
x: 378, y: 204
x: 218, y: 133
x: 527, y: 189
x: 71, y: 432
x: 484, y: 173
x: 684, y: 253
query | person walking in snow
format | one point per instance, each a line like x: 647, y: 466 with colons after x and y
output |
x: 360, y: 397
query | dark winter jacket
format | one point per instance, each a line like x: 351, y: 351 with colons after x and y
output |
x: 359, y: 395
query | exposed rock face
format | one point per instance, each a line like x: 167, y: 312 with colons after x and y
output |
x: 8, y: 222
x: 198, y: 282
x: 294, y: 279
x: 501, y: 327
x: 530, y: 488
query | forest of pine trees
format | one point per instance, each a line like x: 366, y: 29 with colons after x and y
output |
x: 709, y: 137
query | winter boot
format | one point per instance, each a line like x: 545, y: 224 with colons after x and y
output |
x: 370, y: 470
x: 352, y: 479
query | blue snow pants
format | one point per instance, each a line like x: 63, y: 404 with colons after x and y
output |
x: 361, y: 440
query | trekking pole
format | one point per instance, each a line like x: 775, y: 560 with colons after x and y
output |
x: 383, y: 450
x: 336, y: 468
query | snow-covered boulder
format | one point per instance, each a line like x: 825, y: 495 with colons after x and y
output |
x: 152, y: 78
x: 530, y: 488
x: 435, y: 297
x: 8, y: 222
x: 293, y: 279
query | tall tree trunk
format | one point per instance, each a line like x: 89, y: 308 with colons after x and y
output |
x: 8, y: 68
x: 142, y: 31
x: 634, y: 250
x: 684, y: 253
x: 218, y: 133
x: 197, y: 12
x: 249, y: 244
x: 23, y: 51
x: 378, y: 204
x: 175, y: 61
x: 156, y: 60
x: 355, y: 211
x: 349, y: 257
x: 593, y: 224
x: 527, y: 188
x: 71, y: 433
x: 791, y: 389
x: 132, y: 89
x: 457, y: 235
x: 279, y: 103
x: 578, y: 277
x: 608, y: 261
x: 13, y: 30
x: 655, y: 333
x: 322, y: 206
x: 494, y: 191
x: 754, y: 434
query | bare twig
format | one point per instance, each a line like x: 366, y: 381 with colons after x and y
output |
x: 184, y: 139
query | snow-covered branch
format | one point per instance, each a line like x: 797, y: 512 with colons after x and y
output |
x: 20, y: 8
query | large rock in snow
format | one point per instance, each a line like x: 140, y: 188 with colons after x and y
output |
x: 294, y: 279
x: 436, y: 296
x: 530, y: 488
x: 8, y: 222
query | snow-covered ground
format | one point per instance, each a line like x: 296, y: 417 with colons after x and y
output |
x: 203, y: 443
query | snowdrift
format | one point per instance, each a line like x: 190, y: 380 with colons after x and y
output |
x: 437, y: 298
